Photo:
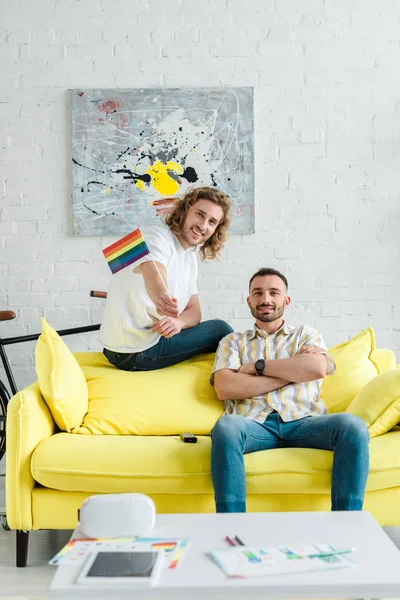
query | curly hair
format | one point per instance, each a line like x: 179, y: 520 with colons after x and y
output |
x: 176, y: 218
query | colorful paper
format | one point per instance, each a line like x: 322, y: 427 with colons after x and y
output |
x: 178, y: 554
x: 241, y: 561
x: 76, y: 550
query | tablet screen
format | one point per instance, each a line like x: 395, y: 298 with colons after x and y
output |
x: 123, y: 564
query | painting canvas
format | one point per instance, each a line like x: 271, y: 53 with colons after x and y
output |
x: 134, y: 151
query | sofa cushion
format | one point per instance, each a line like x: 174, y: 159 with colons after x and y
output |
x: 61, y: 379
x: 163, y: 402
x: 165, y: 465
x: 355, y: 367
x: 378, y: 403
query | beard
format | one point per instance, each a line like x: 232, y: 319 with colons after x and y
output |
x: 267, y: 317
x: 186, y: 232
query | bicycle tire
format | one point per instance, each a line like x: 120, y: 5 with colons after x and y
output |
x: 4, y: 399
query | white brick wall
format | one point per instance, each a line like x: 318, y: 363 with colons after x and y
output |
x: 327, y: 139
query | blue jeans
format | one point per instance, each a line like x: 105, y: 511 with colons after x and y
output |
x: 203, y: 337
x: 345, y: 434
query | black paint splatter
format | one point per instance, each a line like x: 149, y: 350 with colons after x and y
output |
x: 101, y: 214
x: 124, y: 152
x: 190, y: 174
x: 94, y: 183
x: 97, y: 182
x: 85, y: 167
x: 134, y: 176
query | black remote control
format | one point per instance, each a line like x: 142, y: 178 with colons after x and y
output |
x: 189, y: 438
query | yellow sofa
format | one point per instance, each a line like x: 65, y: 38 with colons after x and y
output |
x: 128, y: 441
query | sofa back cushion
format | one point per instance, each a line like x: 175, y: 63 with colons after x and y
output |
x: 180, y: 398
x: 355, y: 367
x: 163, y: 402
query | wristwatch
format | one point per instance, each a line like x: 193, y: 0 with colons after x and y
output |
x: 260, y: 366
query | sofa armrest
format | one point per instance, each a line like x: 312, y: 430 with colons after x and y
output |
x: 29, y: 421
x: 384, y: 358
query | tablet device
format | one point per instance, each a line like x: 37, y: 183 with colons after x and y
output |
x: 125, y: 569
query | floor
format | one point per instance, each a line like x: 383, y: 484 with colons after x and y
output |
x: 33, y: 581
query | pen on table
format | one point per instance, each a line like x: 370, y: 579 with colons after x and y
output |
x: 333, y: 553
x: 235, y: 541
x: 230, y: 541
x: 238, y: 540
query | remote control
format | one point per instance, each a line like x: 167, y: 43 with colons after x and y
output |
x: 188, y: 437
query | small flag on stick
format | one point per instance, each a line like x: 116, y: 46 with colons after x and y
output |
x: 126, y: 251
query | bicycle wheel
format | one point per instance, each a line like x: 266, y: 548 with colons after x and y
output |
x: 4, y: 398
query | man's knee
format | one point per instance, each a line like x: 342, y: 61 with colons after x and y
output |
x: 353, y: 426
x: 221, y: 328
x: 227, y: 428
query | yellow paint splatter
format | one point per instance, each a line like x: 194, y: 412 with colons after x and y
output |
x: 139, y: 184
x: 108, y: 190
x: 160, y: 178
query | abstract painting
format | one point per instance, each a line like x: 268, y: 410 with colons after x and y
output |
x: 134, y: 151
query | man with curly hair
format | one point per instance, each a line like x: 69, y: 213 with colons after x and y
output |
x: 145, y: 327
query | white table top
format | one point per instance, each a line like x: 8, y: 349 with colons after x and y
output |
x: 376, y: 576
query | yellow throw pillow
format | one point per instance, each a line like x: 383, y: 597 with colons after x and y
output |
x: 61, y: 380
x: 378, y: 403
x: 354, y: 369
x: 163, y: 402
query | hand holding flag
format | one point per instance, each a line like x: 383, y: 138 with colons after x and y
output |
x: 129, y: 250
x: 166, y: 305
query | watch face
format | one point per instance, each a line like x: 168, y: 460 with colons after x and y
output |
x: 260, y: 365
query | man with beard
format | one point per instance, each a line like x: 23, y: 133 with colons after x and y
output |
x: 152, y: 314
x: 270, y: 381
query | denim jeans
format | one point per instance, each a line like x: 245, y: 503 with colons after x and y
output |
x: 345, y: 434
x: 203, y: 337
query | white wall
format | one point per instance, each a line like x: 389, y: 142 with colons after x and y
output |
x: 327, y: 130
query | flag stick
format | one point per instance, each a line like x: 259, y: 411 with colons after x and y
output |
x: 161, y: 277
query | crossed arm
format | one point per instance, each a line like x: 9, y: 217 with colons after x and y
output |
x: 307, y: 365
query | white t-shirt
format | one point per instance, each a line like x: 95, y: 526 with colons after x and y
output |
x: 129, y: 312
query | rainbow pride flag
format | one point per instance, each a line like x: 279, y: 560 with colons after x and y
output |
x: 126, y: 251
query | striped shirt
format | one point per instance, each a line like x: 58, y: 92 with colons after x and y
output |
x: 293, y: 401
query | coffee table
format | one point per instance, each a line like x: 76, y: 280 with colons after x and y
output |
x: 198, y: 577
